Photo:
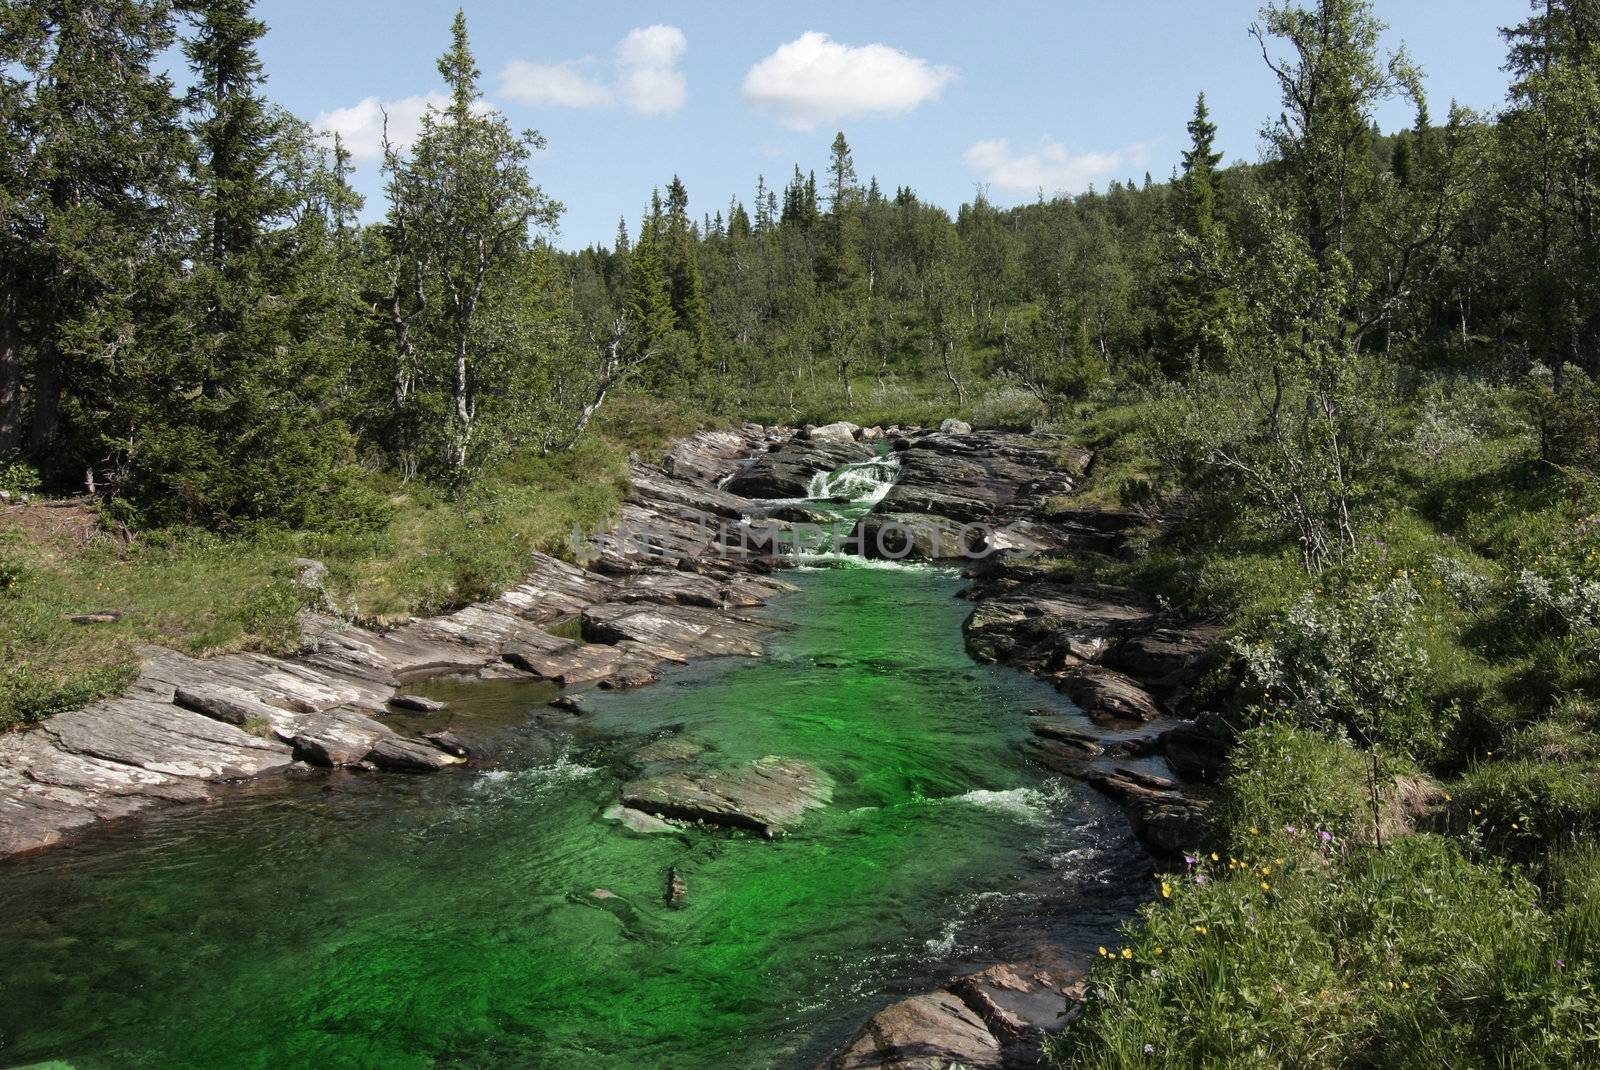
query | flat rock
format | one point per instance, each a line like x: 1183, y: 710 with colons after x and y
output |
x: 929, y: 1032
x: 574, y: 663
x: 637, y: 820
x: 336, y: 739
x: 418, y: 704
x: 769, y: 795
x: 672, y: 633
x: 400, y: 755
x: 233, y: 705
x: 165, y: 739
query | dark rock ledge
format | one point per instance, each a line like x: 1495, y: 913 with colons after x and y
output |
x: 189, y: 725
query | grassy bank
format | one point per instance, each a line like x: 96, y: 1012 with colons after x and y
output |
x: 427, y: 552
x: 1460, y: 645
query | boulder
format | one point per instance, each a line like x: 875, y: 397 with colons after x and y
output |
x: 400, y: 755
x: 842, y: 431
x: 1198, y: 750
x: 769, y: 795
x: 955, y: 427
x: 787, y: 471
x: 911, y: 537
x: 929, y: 1032
x: 1108, y: 696
x: 335, y: 739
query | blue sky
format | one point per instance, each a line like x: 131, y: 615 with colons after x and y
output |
x: 1011, y: 95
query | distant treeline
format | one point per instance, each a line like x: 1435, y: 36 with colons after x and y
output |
x: 193, y: 319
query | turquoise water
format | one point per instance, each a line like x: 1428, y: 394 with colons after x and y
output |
x: 452, y: 921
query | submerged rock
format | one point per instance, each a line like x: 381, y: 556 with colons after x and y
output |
x: 769, y: 795
x: 677, y: 890
x: 637, y: 820
x: 417, y: 704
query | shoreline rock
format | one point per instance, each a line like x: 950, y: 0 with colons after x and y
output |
x: 188, y: 726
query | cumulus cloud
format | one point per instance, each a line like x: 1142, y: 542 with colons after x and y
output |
x: 564, y: 85
x: 648, y: 78
x: 815, y: 79
x: 643, y: 76
x: 1050, y: 166
x: 360, y: 126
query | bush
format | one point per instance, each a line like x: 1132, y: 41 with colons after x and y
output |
x: 1009, y: 408
x: 1415, y: 957
x: 1524, y: 809
x: 1281, y: 777
x: 20, y: 478
x: 1355, y: 661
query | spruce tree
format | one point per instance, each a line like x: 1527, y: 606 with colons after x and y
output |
x: 92, y: 149
x: 1197, y: 189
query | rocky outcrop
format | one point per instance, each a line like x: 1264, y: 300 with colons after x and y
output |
x: 993, y: 1018
x: 189, y: 725
x: 769, y: 795
x: 787, y: 469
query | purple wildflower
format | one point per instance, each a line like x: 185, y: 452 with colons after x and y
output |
x: 1324, y: 835
x: 1201, y: 879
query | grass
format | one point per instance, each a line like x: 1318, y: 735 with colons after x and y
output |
x: 206, y: 594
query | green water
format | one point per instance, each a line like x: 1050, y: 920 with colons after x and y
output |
x: 450, y: 921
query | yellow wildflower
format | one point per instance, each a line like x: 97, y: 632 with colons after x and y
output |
x: 1104, y: 952
x: 1127, y: 952
x: 1166, y: 890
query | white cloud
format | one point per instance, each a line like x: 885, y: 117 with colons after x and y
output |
x: 815, y: 79
x: 647, y: 69
x: 564, y: 85
x: 1049, y: 167
x: 361, y: 125
x: 644, y: 76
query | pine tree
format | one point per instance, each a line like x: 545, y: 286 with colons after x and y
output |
x: 648, y: 314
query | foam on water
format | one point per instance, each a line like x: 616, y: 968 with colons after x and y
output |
x: 1028, y: 804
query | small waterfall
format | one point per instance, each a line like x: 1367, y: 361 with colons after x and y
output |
x: 861, y: 483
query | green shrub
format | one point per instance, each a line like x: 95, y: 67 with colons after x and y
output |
x: 1355, y: 661
x: 1524, y: 809
x: 14, y: 572
x: 1281, y: 777
x: 1010, y: 408
x: 1413, y: 957
x: 271, y: 613
x: 18, y: 477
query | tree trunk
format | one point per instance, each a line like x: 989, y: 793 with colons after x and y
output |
x: 950, y: 373
x: 10, y: 372
x: 46, y: 403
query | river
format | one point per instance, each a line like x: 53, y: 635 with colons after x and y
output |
x: 496, y: 919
